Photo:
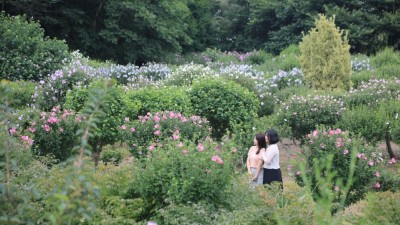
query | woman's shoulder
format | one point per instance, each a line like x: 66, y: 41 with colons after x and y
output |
x: 252, y: 148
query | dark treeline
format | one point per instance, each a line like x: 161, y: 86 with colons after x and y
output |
x: 138, y: 31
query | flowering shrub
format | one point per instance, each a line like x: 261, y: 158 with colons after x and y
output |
x: 54, y: 133
x: 145, y: 134
x: 287, y: 79
x: 303, y: 113
x: 360, y: 63
x: 322, y: 143
x: 188, y: 173
x: 373, y: 92
x: 185, y: 74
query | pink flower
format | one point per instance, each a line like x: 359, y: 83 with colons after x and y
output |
x: 12, y: 130
x: 298, y: 173
x: 377, y: 185
x: 377, y: 174
x: 392, y: 161
x: 371, y: 163
x: 184, y: 152
x: 315, y: 133
x: 25, y: 138
x: 151, y: 223
x: 123, y: 127
x: 126, y: 119
x: 217, y: 159
x: 156, y: 126
x: 32, y: 129
x: 34, y: 123
x: 132, y: 129
x: 61, y: 129
x: 331, y: 132
x: 180, y: 145
x: 46, y: 127
x: 151, y: 148
x: 156, y: 118
x: 345, y: 152
x: 157, y: 132
x: 338, y: 131
x: 359, y: 155
x: 336, y: 188
x: 200, y: 147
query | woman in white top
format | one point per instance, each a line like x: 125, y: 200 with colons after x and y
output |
x: 272, y: 170
x: 254, y: 159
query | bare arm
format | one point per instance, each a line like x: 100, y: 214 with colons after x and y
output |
x: 260, y: 163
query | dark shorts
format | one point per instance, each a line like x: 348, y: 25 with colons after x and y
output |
x: 271, y: 175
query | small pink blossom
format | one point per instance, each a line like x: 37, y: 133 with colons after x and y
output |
x: 156, y: 126
x: 126, y: 119
x: 338, y: 131
x: 371, y: 163
x: 175, y: 137
x: 315, y: 133
x: 151, y: 148
x: 32, y: 129
x: 12, y: 130
x: 377, y: 174
x: 25, y: 138
x: 180, y: 145
x: 132, y: 129
x: 61, y: 129
x: 377, y: 185
x: 46, y: 127
x: 123, y: 127
x: 392, y: 161
x: 336, y: 188
x: 156, y: 118
x: 298, y: 173
x: 157, y: 132
x: 184, y: 151
x: 200, y: 147
x: 359, y: 155
x: 345, y: 152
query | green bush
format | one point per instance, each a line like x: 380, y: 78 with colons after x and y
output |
x: 373, y: 93
x: 114, y: 107
x: 289, y: 58
x: 161, y: 99
x: 142, y: 135
x: 191, y: 173
x: 303, y: 113
x: 111, y: 156
x: 324, y: 143
x: 387, y: 63
x: 364, y: 121
x: 358, y: 78
x: 381, y: 208
x: 21, y: 93
x: 25, y: 53
x: 256, y: 57
x: 325, y: 56
x: 223, y: 104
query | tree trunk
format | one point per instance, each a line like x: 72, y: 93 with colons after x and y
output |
x: 388, y: 146
x: 96, y: 154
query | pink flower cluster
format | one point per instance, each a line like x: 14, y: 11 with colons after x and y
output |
x: 217, y: 159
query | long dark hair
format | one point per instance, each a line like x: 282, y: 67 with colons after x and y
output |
x: 272, y: 135
x: 260, y: 137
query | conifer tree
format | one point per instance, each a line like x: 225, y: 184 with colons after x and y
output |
x: 325, y: 56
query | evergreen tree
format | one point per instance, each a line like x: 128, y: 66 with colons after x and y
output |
x: 325, y: 56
